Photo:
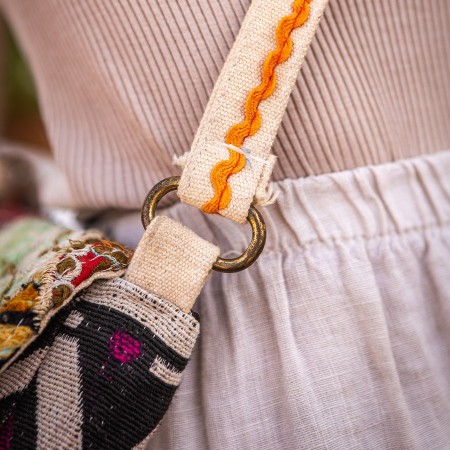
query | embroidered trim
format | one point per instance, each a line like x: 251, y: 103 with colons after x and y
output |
x: 252, y: 121
x: 58, y: 274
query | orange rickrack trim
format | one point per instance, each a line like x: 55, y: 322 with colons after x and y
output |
x: 252, y: 121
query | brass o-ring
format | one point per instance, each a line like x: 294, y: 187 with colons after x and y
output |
x: 254, y: 217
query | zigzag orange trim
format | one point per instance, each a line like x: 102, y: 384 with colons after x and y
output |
x: 252, y: 121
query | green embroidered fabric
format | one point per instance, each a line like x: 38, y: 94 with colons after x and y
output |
x: 42, y: 267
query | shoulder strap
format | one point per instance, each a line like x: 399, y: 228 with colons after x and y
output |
x: 229, y: 163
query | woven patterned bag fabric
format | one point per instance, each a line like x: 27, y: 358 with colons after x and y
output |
x: 89, y: 359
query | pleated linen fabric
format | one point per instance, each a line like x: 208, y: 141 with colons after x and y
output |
x: 339, y: 336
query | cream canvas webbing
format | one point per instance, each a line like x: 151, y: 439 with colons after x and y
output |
x: 243, y: 71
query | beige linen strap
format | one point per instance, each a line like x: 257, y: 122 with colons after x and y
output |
x: 267, y: 55
x: 172, y: 262
x: 247, y: 104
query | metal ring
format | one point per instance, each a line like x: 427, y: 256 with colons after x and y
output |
x: 254, y: 217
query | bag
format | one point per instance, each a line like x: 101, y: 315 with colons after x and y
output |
x: 94, y: 337
x: 89, y: 358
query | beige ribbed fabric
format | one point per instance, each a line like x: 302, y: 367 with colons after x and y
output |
x: 123, y: 86
x: 172, y: 262
x: 241, y: 73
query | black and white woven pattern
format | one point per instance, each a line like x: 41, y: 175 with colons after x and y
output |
x: 102, y: 374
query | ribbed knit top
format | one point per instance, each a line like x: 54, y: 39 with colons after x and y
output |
x: 123, y: 85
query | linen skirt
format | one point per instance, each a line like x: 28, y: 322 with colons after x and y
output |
x: 339, y: 336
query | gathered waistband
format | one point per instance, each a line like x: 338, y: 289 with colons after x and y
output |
x: 363, y: 203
